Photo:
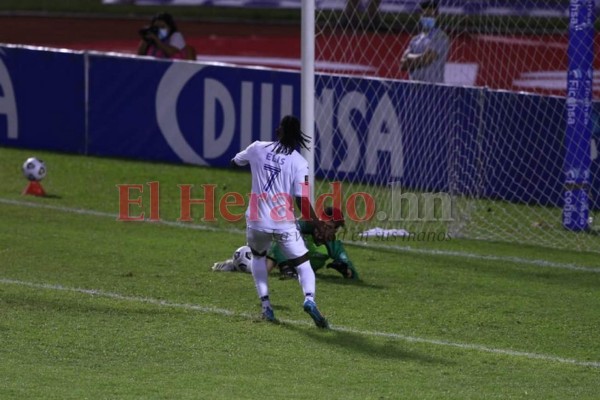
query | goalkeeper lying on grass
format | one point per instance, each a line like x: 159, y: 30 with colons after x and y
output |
x: 319, y: 254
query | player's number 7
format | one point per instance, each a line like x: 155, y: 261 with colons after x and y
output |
x: 272, y: 173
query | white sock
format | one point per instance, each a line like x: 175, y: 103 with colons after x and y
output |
x: 306, y: 277
x: 260, y: 275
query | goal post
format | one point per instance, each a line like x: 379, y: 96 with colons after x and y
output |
x: 483, y: 154
x: 307, y: 86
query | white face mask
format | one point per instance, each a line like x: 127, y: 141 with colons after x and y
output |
x: 163, y: 33
x: 428, y: 23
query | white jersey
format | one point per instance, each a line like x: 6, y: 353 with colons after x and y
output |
x: 276, y: 179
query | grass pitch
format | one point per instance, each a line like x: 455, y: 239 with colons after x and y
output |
x: 97, y: 308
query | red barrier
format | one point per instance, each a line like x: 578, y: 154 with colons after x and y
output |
x: 518, y: 63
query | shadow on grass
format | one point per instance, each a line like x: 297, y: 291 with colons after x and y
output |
x: 279, y: 307
x: 339, y: 280
x: 335, y: 279
x: 359, y: 343
x: 509, y: 269
x: 73, y: 306
x: 52, y: 196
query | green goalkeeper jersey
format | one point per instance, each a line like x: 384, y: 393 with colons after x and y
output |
x: 319, y: 254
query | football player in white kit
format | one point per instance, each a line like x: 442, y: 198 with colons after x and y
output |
x: 279, y: 179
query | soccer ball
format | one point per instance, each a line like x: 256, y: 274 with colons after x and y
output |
x: 34, y: 169
x: 242, y: 259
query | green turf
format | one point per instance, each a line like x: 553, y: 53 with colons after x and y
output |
x: 96, y: 308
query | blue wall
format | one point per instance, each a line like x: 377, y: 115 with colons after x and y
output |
x: 492, y: 144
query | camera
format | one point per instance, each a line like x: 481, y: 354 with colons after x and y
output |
x: 144, y: 32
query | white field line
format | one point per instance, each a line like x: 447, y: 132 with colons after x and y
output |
x: 406, y: 249
x: 483, y: 257
x: 115, y: 216
x: 229, y: 313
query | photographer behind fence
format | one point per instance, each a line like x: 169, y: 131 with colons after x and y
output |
x: 161, y: 39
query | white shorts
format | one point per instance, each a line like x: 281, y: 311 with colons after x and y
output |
x: 290, y: 241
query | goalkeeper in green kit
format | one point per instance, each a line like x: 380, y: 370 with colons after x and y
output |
x: 330, y: 254
x: 319, y: 254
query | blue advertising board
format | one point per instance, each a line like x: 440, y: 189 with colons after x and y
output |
x: 468, y: 141
x: 594, y: 193
x: 522, y: 151
x: 579, y: 124
x: 382, y: 133
x: 421, y: 136
x: 42, y: 103
x: 184, y: 111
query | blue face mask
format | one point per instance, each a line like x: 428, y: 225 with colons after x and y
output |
x: 163, y: 33
x: 428, y: 23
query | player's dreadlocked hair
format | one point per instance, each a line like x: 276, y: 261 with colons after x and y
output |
x: 290, y: 136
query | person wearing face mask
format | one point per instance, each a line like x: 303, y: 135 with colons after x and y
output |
x: 426, y: 54
x: 162, y: 39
